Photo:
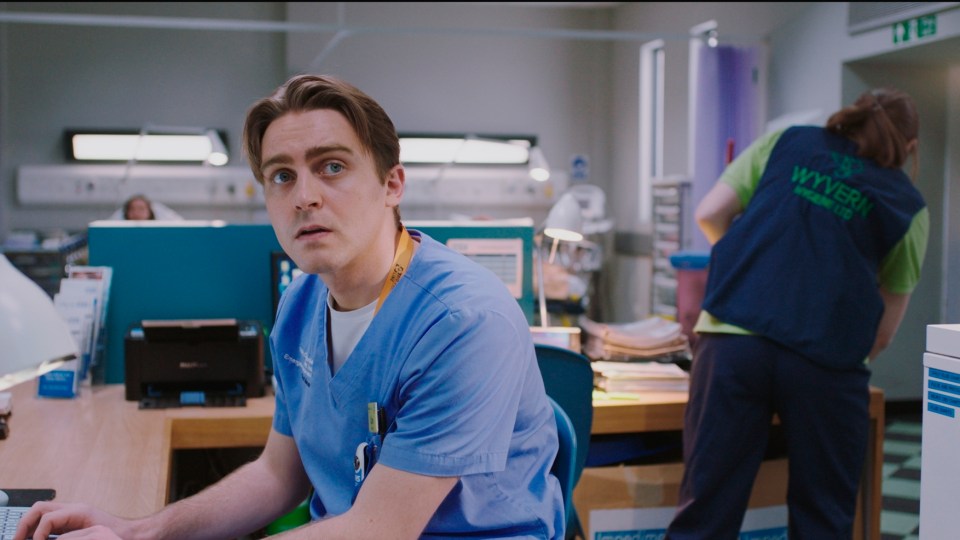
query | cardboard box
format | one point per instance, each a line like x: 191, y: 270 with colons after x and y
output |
x: 638, y: 502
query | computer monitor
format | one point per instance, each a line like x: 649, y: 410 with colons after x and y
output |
x: 502, y: 256
x: 282, y: 272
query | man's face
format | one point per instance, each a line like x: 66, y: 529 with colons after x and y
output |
x: 322, y: 192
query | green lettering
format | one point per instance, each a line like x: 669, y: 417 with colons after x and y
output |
x: 843, y: 193
x: 801, y: 175
x: 857, y: 198
x: 821, y: 179
x: 833, y: 186
x: 853, y: 198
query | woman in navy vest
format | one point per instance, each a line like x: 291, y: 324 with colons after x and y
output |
x: 818, y: 239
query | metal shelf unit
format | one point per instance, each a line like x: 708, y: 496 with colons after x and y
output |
x: 671, y: 214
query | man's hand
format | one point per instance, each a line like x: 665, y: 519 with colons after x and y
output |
x: 85, y: 522
x: 98, y: 532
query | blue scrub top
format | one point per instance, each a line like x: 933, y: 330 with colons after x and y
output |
x: 450, y: 358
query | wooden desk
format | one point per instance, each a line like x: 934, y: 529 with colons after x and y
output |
x: 103, y: 450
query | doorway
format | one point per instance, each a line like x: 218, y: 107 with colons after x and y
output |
x: 931, y: 74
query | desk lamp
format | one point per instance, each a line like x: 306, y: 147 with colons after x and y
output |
x: 564, y: 222
x: 35, y: 339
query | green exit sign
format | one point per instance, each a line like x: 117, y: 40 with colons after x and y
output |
x: 914, y: 29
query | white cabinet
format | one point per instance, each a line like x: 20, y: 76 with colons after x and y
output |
x: 940, y: 453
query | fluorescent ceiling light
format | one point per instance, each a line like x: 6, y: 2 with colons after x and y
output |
x: 201, y: 147
x: 464, y: 150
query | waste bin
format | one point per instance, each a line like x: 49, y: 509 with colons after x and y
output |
x: 691, y: 269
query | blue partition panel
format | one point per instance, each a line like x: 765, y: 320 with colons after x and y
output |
x: 181, y: 272
x: 198, y: 270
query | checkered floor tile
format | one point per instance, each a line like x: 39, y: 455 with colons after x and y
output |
x: 900, y: 515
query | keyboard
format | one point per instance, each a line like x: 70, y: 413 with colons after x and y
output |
x: 9, y: 517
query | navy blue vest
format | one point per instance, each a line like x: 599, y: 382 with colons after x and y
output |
x: 800, y: 265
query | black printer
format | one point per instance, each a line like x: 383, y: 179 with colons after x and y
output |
x: 204, y: 362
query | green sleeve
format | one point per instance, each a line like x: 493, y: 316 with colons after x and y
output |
x: 743, y: 174
x: 900, y: 270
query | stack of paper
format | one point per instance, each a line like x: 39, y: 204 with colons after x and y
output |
x: 637, y: 377
x: 82, y: 302
x: 653, y: 338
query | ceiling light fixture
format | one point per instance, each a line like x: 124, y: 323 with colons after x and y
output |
x: 464, y: 150
x: 151, y: 144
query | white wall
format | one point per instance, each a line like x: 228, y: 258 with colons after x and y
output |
x: 66, y: 76
x: 455, y: 67
x: 435, y: 67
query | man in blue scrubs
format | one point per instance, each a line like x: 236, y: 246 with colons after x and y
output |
x: 408, y: 399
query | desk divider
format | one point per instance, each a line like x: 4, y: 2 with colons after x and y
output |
x: 210, y: 270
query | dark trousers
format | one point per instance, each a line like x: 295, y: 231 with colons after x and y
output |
x: 737, y: 384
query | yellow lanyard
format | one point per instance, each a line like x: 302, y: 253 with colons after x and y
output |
x: 400, y: 263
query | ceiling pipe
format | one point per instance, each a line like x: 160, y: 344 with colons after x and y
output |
x: 207, y: 24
